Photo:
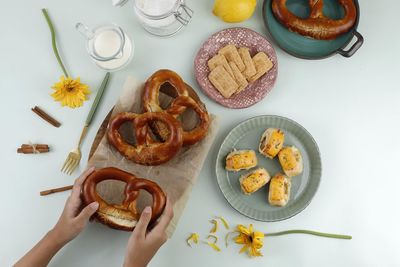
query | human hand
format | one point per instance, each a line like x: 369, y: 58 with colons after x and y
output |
x: 73, y: 218
x: 143, y: 245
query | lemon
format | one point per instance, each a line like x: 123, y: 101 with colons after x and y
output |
x: 234, y: 10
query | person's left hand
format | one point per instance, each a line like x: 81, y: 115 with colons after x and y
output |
x: 73, y: 218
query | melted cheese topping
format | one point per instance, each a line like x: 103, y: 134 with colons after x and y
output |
x: 289, y: 157
x: 272, y: 142
x: 279, y: 190
x: 239, y: 160
x: 254, y: 180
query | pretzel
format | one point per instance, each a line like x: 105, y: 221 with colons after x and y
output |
x: 178, y: 106
x: 182, y: 101
x: 317, y: 25
x: 146, y: 151
x: 123, y: 216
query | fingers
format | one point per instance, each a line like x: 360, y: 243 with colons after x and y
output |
x: 87, y: 212
x: 141, y: 226
x: 165, y: 218
x: 76, y: 189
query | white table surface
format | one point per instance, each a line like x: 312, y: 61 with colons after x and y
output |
x: 350, y: 106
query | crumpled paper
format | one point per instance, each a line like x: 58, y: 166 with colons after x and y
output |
x: 176, y: 177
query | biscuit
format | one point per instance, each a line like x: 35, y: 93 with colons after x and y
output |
x: 231, y: 54
x: 240, y: 79
x: 223, y: 82
x: 218, y: 60
x: 250, y: 69
x: 262, y: 63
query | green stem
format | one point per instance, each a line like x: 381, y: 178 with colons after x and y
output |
x: 309, y: 233
x: 53, y: 41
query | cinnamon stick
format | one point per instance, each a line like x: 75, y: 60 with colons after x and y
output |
x: 56, y: 190
x: 30, y: 150
x: 37, y: 146
x: 46, y: 116
x: 33, y: 148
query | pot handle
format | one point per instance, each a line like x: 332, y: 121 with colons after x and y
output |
x: 354, y: 47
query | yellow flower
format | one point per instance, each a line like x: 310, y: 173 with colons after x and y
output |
x: 193, y: 237
x: 252, y: 240
x: 70, y: 92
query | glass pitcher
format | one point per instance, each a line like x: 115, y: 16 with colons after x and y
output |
x: 163, y: 17
x: 108, y: 46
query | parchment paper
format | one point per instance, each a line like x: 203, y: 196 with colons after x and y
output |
x: 176, y: 177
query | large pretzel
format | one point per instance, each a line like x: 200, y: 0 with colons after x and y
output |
x: 182, y: 101
x: 125, y: 215
x: 146, y: 151
x: 317, y: 25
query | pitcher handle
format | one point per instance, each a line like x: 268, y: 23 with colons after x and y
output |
x: 84, y: 30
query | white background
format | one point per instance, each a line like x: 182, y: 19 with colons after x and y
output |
x: 350, y: 106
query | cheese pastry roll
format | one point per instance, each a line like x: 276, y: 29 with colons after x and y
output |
x: 254, y: 180
x: 291, y: 161
x: 241, y: 160
x: 271, y: 142
x: 279, y: 190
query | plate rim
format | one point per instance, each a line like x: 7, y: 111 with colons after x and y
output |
x: 320, y: 167
x: 236, y: 28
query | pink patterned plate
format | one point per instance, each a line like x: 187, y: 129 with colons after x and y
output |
x: 255, y: 91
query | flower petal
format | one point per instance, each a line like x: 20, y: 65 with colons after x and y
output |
x: 193, y: 237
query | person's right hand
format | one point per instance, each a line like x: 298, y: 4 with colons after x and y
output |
x: 143, y: 245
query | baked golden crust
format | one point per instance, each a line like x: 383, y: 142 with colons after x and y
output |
x: 241, y: 160
x: 250, y: 69
x: 271, y: 142
x: 123, y: 216
x: 279, y: 190
x: 240, y: 79
x: 317, y: 25
x: 219, y: 60
x: 262, y: 63
x: 291, y: 161
x: 146, y: 151
x: 231, y: 54
x: 254, y: 180
x: 183, y: 99
x: 223, y: 81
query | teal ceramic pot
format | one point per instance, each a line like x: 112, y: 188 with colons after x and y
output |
x: 305, y: 47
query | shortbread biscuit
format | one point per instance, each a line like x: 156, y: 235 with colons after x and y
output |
x: 223, y: 82
x: 250, y: 69
x: 262, y: 63
x: 240, y: 79
x: 218, y: 60
x: 231, y: 54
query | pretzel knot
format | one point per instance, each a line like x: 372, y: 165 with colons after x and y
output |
x: 183, y: 100
x: 123, y: 216
x: 146, y: 151
x: 317, y: 25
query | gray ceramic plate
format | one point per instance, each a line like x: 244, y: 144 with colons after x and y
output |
x: 246, y: 136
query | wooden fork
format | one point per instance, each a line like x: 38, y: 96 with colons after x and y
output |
x: 74, y: 156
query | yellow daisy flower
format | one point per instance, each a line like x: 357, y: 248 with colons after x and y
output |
x: 70, y: 92
x: 252, y: 240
